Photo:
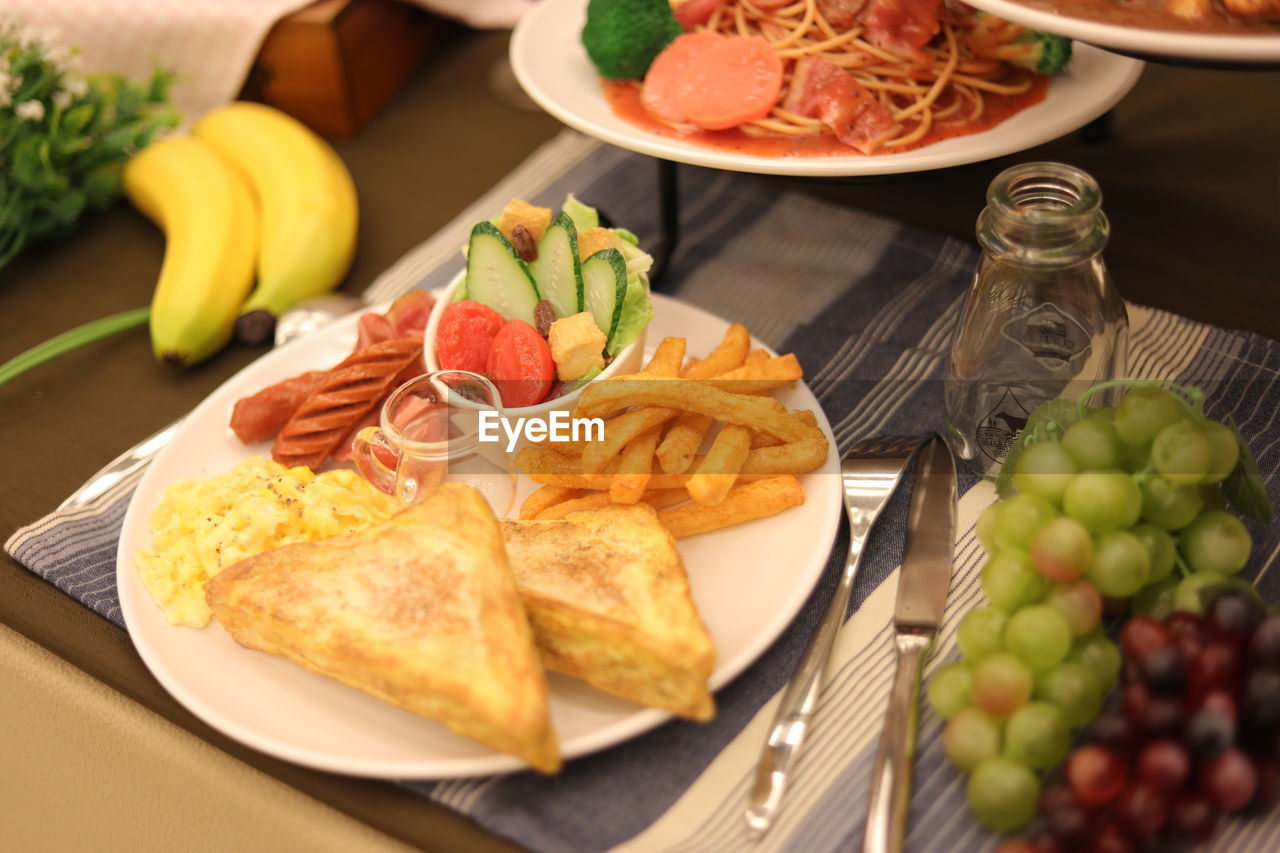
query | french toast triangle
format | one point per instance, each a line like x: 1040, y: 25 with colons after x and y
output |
x: 608, y: 597
x: 420, y: 610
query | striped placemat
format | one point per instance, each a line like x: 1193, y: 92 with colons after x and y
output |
x: 868, y: 305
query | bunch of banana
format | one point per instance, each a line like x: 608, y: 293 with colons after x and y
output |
x: 250, y: 182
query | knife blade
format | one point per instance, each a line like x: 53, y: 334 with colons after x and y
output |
x: 931, y: 527
x: 923, y: 581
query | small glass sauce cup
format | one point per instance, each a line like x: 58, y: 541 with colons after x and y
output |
x: 428, y: 433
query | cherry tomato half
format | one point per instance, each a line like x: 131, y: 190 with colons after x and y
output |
x: 520, y: 365
x: 465, y: 335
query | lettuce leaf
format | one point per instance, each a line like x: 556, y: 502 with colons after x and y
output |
x: 637, y: 311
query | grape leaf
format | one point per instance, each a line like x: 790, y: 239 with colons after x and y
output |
x: 1049, y: 421
x: 1243, y: 487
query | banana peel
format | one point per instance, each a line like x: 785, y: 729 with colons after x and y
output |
x: 211, y: 227
x: 305, y: 197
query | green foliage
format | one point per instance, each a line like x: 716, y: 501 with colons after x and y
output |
x: 65, y: 137
x: 623, y: 36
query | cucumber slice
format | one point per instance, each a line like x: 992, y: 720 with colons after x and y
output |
x: 497, y: 277
x: 604, y: 282
x: 556, y: 269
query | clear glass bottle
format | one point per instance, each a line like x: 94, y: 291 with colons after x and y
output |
x: 1042, y: 318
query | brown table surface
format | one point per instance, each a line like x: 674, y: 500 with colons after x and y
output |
x: 1190, y: 174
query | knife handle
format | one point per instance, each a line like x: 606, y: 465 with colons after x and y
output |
x: 891, y: 774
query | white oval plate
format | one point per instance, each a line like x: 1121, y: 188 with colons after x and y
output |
x: 1221, y: 47
x: 550, y: 64
x: 748, y: 582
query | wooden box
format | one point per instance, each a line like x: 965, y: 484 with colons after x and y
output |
x: 334, y: 63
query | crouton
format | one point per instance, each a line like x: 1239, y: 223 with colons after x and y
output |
x: 590, y: 242
x: 517, y: 212
x: 577, y: 346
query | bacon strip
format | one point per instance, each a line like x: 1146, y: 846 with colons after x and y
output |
x: 349, y: 392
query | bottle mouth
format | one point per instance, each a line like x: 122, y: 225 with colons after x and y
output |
x: 1044, y: 206
x: 1051, y: 192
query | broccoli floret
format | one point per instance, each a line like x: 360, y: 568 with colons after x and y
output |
x: 623, y: 36
x: 1043, y: 53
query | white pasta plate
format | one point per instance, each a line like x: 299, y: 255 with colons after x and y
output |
x: 551, y: 65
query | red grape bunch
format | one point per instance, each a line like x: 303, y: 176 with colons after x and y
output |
x: 1195, y: 736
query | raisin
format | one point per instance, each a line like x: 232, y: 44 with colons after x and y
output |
x: 543, y: 316
x: 522, y: 242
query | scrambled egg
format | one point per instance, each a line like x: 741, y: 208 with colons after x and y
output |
x: 204, y: 525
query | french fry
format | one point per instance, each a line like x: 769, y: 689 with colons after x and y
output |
x: 591, y: 500
x: 659, y: 499
x: 675, y: 452
x: 745, y: 502
x: 666, y: 359
x: 760, y: 377
x: 728, y: 354
x: 796, y: 457
x: 635, y: 468
x: 664, y: 498
x: 715, y: 476
x: 756, y: 356
x: 601, y: 399
x: 571, y: 449
x: 545, y: 497
x: 603, y: 482
x: 618, y: 433
x: 760, y: 439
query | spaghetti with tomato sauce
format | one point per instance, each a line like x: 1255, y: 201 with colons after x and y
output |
x: 843, y: 76
x: 624, y: 99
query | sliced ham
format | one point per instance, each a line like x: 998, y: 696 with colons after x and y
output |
x: 907, y: 25
x: 694, y: 13
x: 373, y: 329
x: 840, y: 14
x: 822, y: 90
x: 408, y: 315
x: 812, y: 74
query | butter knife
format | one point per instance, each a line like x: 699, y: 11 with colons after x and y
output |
x: 923, y: 581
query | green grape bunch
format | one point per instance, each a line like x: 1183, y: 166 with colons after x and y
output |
x: 1101, y: 509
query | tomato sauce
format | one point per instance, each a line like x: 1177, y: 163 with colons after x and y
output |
x: 624, y: 98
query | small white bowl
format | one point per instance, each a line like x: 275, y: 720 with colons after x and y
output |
x: 629, y: 360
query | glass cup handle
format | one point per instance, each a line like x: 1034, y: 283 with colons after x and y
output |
x: 368, y: 449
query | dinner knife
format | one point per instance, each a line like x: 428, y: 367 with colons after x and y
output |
x: 923, y: 582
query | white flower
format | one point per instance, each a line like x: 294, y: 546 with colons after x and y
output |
x: 33, y: 110
x: 4, y: 80
x: 5, y: 97
x: 76, y: 87
x: 62, y: 99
